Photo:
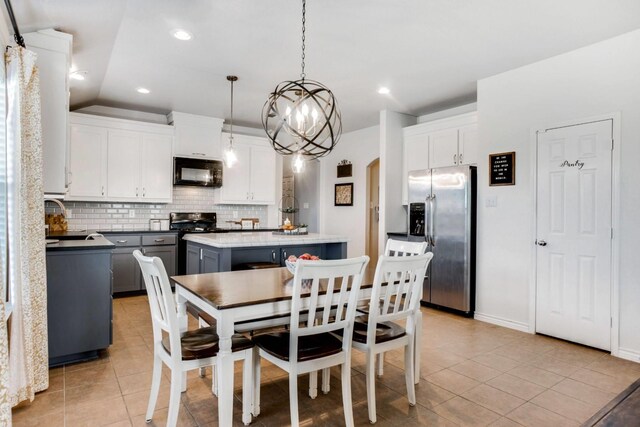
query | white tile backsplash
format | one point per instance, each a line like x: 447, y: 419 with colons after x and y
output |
x: 115, y: 216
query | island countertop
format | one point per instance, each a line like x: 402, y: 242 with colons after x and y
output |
x: 241, y: 240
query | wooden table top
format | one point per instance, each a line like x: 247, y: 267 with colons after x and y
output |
x: 233, y: 289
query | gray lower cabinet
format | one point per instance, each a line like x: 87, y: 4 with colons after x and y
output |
x: 202, y: 260
x: 126, y: 272
x: 78, y: 304
x: 166, y: 253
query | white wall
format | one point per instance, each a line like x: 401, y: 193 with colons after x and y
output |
x: 595, y: 80
x: 393, y: 216
x: 361, y: 148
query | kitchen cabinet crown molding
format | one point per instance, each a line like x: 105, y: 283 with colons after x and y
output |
x: 119, y: 124
x: 441, y: 124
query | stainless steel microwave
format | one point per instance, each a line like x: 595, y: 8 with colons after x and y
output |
x: 197, y: 172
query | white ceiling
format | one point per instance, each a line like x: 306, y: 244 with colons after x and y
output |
x: 430, y: 53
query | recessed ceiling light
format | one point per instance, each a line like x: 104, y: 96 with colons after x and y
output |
x: 384, y: 90
x: 78, y: 75
x: 182, y: 35
x: 143, y: 90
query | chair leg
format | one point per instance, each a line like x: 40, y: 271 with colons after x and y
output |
x: 214, y: 381
x: 174, y: 397
x: 417, y: 347
x: 346, y: 392
x: 371, y: 386
x: 326, y: 380
x: 256, y: 381
x: 313, y: 384
x: 293, y: 398
x: 155, y: 387
x: 380, y: 363
x: 247, y: 386
x: 409, y: 372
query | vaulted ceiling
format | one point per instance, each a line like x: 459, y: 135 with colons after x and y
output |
x: 430, y: 53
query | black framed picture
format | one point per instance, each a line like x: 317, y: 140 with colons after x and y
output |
x: 344, y: 194
x: 502, y: 168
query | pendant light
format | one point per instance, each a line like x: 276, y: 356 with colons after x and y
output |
x: 306, y: 111
x: 229, y: 156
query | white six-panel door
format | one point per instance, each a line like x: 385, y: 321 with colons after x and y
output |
x: 573, y: 289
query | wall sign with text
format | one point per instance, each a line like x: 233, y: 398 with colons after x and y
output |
x: 502, y: 168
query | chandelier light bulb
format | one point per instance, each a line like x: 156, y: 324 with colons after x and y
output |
x: 297, y: 164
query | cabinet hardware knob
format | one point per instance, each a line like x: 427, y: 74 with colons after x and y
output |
x: 103, y: 190
x: 144, y: 192
x: 136, y: 191
x: 159, y: 240
x: 122, y: 241
x: 460, y: 157
x: 454, y: 159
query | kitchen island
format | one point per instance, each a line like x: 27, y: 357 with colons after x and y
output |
x: 79, y: 306
x: 212, y: 253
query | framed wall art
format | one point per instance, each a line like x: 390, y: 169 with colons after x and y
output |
x: 502, y: 169
x: 344, y: 195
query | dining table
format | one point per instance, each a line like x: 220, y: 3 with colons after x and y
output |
x: 247, y: 300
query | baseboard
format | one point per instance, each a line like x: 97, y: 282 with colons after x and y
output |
x: 632, y: 355
x: 495, y: 320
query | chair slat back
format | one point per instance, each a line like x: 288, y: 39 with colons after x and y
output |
x: 332, y: 289
x: 161, y: 300
x: 398, y: 298
x: 403, y: 248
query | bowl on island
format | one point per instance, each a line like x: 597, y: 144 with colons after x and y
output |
x: 291, y: 261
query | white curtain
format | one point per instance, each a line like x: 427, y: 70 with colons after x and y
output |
x: 28, y: 348
x: 5, y: 399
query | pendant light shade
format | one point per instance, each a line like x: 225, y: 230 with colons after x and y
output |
x: 301, y: 117
x: 229, y: 156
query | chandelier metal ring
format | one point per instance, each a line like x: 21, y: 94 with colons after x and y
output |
x: 311, y: 141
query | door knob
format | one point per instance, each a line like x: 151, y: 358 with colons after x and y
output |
x: 541, y: 243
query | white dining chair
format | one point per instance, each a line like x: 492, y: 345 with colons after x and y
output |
x: 187, y: 351
x: 327, y: 292
x: 397, y: 300
x: 405, y: 248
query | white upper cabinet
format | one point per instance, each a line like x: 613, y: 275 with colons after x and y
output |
x: 446, y: 142
x: 156, y: 168
x: 252, y: 180
x: 123, y: 164
x: 443, y: 148
x: 87, y: 163
x: 54, y: 60
x: 196, y: 136
x: 120, y: 160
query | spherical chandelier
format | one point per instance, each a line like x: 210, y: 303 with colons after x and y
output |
x: 306, y: 111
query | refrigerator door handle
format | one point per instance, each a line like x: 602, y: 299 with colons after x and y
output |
x: 432, y: 241
x: 425, y: 231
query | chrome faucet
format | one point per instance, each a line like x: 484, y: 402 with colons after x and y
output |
x: 59, y: 203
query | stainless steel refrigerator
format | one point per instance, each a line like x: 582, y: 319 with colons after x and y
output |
x: 442, y: 212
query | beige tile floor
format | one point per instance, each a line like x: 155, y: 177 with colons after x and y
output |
x: 473, y: 374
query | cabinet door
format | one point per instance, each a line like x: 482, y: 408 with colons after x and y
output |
x: 236, y: 180
x: 156, y: 168
x: 167, y: 254
x: 443, y: 148
x: 53, y: 67
x: 263, y: 175
x: 126, y: 272
x: 193, y: 259
x: 415, y: 157
x: 123, y: 165
x: 197, y: 136
x: 209, y: 262
x: 468, y: 145
x: 87, y: 163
